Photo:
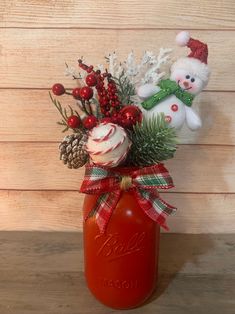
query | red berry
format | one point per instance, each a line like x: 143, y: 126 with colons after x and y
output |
x: 91, y: 80
x: 106, y: 120
x: 90, y: 69
x: 103, y: 92
x: 100, y: 85
x: 112, y: 90
x: 107, y: 114
x: 104, y: 101
x: 58, y: 89
x: 90, y: 122
x: 76, y: 93
x: 86, y: 92
x: 82, y: 65
x: 74, y: 122
x: 115, y: 117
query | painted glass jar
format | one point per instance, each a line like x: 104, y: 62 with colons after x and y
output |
x: 121, y: 265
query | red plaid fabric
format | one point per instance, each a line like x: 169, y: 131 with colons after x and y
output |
x: 145, y: 182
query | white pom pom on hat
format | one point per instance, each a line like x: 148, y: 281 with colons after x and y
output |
x: 182, y: 38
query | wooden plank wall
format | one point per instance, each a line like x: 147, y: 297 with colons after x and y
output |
x: 37, y: 37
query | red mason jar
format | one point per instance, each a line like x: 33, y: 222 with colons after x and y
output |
x: 121, y: 265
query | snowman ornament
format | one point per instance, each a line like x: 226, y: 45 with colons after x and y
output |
x: 174, y: 96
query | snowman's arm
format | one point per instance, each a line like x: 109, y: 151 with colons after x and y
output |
x: 193, y: 120
x: 147, y: 90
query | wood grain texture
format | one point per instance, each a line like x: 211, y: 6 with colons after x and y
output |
x: 38, y: 36
x: 37, y: 166
x: 43, y: 273
x: 62, y: 211
x: 30, y: 116
x: 118, y: 14
x: 41, y: 53
x: 40, y: 210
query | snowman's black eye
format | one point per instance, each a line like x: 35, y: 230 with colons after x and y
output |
x: 192, y: 80
x: 187, y: 77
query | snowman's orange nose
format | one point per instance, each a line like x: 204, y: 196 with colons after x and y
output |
x: 186, y: 84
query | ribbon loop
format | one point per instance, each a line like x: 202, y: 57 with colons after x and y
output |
x: 144, y: 182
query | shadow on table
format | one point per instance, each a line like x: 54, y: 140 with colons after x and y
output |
x: 179, y: 254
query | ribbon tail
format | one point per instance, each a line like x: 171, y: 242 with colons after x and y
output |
x: 105, y: 205
x: 154, y: 207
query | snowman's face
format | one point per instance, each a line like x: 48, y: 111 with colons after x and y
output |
x: 188, y: 82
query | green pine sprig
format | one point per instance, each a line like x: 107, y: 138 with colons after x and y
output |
x: 125, y: 88
x: 64, y: 114
x: 153, y: 141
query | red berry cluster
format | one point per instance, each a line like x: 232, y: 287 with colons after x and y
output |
x: 110, y: 105
x: 84, y: 94
x: 113, y: 95
x: 107, y: 93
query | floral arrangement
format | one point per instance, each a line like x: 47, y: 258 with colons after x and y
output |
x: 127, y: 115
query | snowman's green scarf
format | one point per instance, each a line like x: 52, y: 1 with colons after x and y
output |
x: 168, y: 87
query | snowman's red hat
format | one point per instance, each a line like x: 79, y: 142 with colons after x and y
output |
x: 196, y: 61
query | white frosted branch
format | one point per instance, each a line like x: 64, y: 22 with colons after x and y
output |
x: 148, y: 69
x: 71, y: 72
x: 101, y: 67
x: 112, y: 62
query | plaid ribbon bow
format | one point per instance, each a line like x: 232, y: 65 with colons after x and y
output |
x: 143, y: 183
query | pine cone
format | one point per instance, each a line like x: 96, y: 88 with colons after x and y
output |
x: 73, y: 151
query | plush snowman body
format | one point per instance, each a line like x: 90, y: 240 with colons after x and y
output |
x: 189, y: 75
x: 175, y: 111
x: 173, y: 108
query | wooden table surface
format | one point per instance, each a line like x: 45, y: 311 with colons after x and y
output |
x: 43, y: 273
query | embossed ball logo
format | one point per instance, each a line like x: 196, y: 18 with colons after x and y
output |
x: 113, y: 247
